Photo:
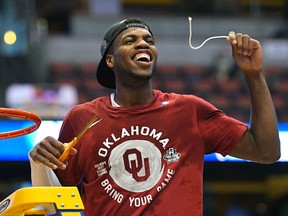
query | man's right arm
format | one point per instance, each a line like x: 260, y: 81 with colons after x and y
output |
x: 43, y: 159
x: 42, y: 175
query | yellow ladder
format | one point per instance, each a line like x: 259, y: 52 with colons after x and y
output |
x: 61, y: 201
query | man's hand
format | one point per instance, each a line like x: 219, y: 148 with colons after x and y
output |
x: 48, y: 151
x: 247, y: 53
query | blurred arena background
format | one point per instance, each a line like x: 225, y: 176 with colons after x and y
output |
x: 49, y: 52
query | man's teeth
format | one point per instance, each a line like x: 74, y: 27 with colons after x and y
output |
x: 142, y: 57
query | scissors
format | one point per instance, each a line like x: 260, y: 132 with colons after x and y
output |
x: 73, y: 142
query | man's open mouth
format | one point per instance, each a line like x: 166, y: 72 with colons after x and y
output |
x: 143, y: 57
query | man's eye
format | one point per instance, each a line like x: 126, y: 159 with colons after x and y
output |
x: 151, y: 42
x: 129, y: 42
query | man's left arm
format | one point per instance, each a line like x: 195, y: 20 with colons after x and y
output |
x: 260, y: 143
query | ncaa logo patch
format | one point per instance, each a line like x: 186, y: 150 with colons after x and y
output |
x: 171, y: 155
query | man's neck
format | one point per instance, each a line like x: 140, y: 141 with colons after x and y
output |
x: 127, y: 98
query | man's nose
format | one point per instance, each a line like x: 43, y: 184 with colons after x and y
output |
x: 141, y: 43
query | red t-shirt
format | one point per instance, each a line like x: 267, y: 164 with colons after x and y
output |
x: 145, y: 159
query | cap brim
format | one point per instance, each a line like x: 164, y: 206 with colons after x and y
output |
x: 105, y: 75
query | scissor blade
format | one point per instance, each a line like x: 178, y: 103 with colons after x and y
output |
x: 94, y: 123
x: 87, y: 126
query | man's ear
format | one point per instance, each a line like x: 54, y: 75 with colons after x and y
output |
x: 110, y: 60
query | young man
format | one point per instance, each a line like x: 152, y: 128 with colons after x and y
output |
x: 145, y: 157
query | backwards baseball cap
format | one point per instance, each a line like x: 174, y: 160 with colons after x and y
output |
x: 105, y: 75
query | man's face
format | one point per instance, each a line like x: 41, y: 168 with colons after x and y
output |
x: 135, y: 56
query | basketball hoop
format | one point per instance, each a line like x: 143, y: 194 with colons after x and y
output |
x: 22, y: 115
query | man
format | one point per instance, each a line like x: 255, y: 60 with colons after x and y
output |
x: 145, y: 157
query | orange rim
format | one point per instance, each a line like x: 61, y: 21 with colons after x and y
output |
x: 22, y: 115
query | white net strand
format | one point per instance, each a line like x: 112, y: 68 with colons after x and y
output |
x: 190, y: 37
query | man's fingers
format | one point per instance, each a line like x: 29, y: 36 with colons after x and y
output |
x: 233, y: 41
x: 47, y: 152
x: 232, y: 37
x: 245, y: 44
x: 242, y: 44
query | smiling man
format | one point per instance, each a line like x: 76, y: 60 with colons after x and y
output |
x: 146, y: 155
x: 129, y: 56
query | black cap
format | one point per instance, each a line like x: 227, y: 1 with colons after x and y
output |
x: 105, y: 75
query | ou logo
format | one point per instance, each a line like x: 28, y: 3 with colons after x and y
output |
x: 136, y: 165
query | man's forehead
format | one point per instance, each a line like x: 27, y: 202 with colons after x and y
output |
x: 134, y: 31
